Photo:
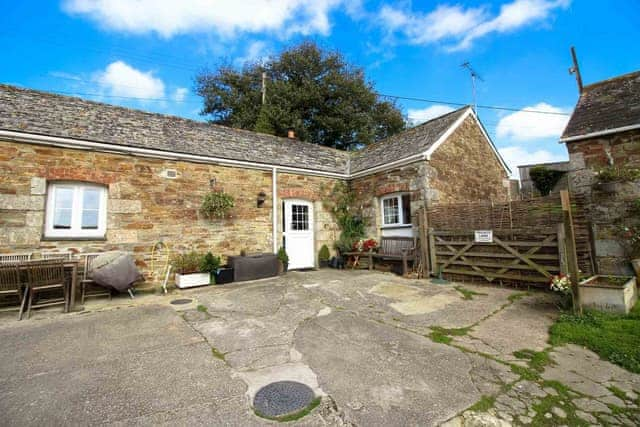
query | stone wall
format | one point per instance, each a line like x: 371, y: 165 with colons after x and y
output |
x: 369, y: 189
x: 465, y: 169
x: 607, y: 209
x: 144, y: 207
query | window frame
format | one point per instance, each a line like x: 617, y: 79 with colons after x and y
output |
x: 75, y: 231
x: 398, y: 197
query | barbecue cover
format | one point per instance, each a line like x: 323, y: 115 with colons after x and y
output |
x: 115, y: 270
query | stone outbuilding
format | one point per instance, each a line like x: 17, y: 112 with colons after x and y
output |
x: 604, y: 133
x: 87, y: 176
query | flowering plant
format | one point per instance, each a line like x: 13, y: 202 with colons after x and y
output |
x: 365, y: 245
x: 560, y: 283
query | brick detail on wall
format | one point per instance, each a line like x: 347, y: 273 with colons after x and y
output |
x: 397, y: 187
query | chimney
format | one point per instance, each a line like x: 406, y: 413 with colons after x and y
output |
x: 291, y: 134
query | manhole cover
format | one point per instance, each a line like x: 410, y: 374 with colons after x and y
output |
x: 181, y: 301
x: 282, y: 398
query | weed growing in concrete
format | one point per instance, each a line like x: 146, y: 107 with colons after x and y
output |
x: 443, y: 335
x: 537, y: 360
x: 217, y: 354
x: 202, y: 308
x: 484, y: 404
x: 525, y: 373
x: 468, y: 294
x: 517, y: 296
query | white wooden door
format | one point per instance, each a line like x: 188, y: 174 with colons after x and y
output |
x: 298, y: 233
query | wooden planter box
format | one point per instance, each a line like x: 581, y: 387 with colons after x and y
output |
x: 192, y: 280
x: 600, y: 293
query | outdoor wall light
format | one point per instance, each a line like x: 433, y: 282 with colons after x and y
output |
x: 212, y: 183
x: 262, y: 196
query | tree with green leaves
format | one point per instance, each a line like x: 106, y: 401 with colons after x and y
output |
x: 313, y: 91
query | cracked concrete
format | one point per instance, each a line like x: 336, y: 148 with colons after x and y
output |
x: 361, y: 340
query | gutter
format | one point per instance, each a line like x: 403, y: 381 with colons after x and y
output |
x: 599, y: 133
x: 148, y: 152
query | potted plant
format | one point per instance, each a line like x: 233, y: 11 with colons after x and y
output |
x: 610, y: 176
x: 323, y: 256
x: 283, y: 258
x: 561, y: 284
x: 187, y: 268
x: 216, y: 204
x: 210, y: 264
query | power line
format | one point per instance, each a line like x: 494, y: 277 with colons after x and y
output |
x: 459, y: 104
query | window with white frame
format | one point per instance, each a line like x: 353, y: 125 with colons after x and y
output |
x: 396, y: 210
x: 76, y: 210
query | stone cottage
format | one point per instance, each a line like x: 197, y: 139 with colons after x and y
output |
x: 603, y: 132
x: 87, y: 176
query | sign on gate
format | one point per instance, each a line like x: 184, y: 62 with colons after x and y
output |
x: 483, y: 236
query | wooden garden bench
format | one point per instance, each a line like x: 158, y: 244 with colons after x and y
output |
x: 395, y: 249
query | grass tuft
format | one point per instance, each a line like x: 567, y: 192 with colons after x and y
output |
x: 294, y: 416
x: 484, y: 404
x: 217, y: 354
x: 468, y: 294
x: 517, y: 296
x: 443, y: 335
x: 614, y: 337
x: 537, y: 360
x: 525, y: 373
x: 202, y: 308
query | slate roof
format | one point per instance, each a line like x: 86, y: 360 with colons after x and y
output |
x: 412, y: 141
x: 31, y: 111
x: 44, y: 113
x: 606, y: 105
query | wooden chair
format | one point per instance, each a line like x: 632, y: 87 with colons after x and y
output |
x: 11, y: 285
x: 14, y: 258
x: 88, y: 287
x: 46, y: 276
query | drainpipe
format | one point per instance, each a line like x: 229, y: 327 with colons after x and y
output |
x: 274, y: 214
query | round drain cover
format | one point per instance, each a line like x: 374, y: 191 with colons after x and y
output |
x: 282, y: 398
x: 181, y: 301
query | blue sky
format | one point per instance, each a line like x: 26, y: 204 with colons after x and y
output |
x: 144, y: 54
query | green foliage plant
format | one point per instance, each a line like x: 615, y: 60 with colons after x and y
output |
x: 617, y: 174
x: 209, y: 263
x: 324, y: 254
x: 282, y: 256
x: 187, y: 262
x: 352, y: 225
x: 545, y: 179
x: 217, y: 204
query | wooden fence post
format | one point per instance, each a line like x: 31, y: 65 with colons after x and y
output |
x: 432, y: 252
x: 570, y: 244
x: 562, y: 249
x: 424, y: 241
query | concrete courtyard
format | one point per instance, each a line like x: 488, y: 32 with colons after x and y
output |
x: 378, y: 349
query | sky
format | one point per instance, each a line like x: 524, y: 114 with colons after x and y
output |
x: 144, y: 54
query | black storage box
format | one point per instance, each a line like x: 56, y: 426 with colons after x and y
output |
x: 223, y: 275
x: 254, y: 266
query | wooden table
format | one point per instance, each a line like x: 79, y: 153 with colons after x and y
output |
x: 69, y: 265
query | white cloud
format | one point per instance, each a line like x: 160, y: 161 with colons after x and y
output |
x: 515, y: 156
x: 417, y: 116
x: 180, y: 94
x: 256, y: 51
x: 121, y: 79
x: 525, y: 126
x: 460, y: 26
x: 169, y: 17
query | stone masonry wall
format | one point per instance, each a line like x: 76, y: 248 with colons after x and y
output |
x: 369, y: 190
x: 465, y: 169
x: 143, y: 206
x: 606, y: 210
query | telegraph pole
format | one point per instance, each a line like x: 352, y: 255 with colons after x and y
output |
x: 264, y: 87
x: 576, y: 69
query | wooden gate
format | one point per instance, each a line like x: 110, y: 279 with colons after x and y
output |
x: 513, y: 256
